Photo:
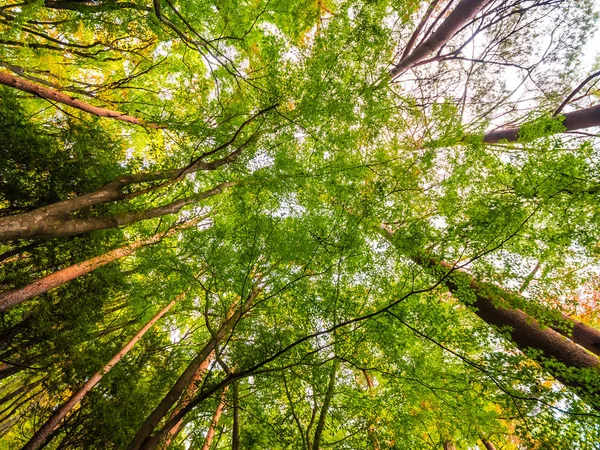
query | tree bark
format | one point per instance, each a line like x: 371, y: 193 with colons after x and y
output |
x: 449, y: 445
x: 8, y: 79
x: 42, y: 434
x: 187, y: 396
x: 326, y: 403
x: 522, y: 329
x: 38, y: 224
x: 575, y: 120
x: 146, y: 429
x: 488, y: 445
x: 460, y: 15
x: 215, y: 421
x: 13, y: 297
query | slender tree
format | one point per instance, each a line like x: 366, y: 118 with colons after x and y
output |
x: 46, y: 429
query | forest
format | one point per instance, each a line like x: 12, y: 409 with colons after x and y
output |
x: 300, y: 224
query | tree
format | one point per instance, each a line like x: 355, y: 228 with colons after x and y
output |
x: 384, y: 215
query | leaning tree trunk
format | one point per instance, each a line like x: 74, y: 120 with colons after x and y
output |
x: 187, y: 396
x: 460, y: 15
x: 13, y: 297
x: 55, y: 220
x: 55, y: 225
x: 215, y: 421
x: 575, y: 120
x: 44, y: 432
x: 488, y: 445
x: 145, y: 431
x: 8, y: 79
x: 522, y: 329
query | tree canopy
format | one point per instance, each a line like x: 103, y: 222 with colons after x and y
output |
x: 269, y: 224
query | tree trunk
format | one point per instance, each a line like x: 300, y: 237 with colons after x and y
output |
x: 147, y: 428
x: 215, y: 421
x: 326, y: 403
x: 54, y: 221
x: 575, y: 120
x: 36, y: 224
x: 42, y: 434
x: 449, y: 445
x: 488, y: 444
x: 8, y: 79
x: 523, y: 330
x: 235, y: 432
x: 187, y: 396
x: 461, y: 15
x: 13, y: 297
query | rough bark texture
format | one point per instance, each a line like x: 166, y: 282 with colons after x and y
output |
x: 145, y: 431
x: 8, y: 79
x: 521, y: 328
x: 575, y: 120
x: 462, y: 14
x: 525, y: 331
x: 44, y: 432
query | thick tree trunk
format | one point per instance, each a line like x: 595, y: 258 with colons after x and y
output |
x: 326, y: 403
x: 54, y: 221
x: 449, y: 445
x: 210, y: 434
x: 522, y: 329
x: 13, y: 297
x: 8, y: 79
x: 42, y: 434
x: 54, y: 225
x: 187, y: 396
x: 575, y: 120
x: 460, y: 15
x: 147, y: 428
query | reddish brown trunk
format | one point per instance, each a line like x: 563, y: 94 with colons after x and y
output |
x: 11, y: 80
x: 13, y: 297
x: 187, y: 396
x: 575, y: 120
x: 210, y: 434
x: 42, y: 434
x: 461, y: 15
x: 147, y: 428
x: 488, y: 444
